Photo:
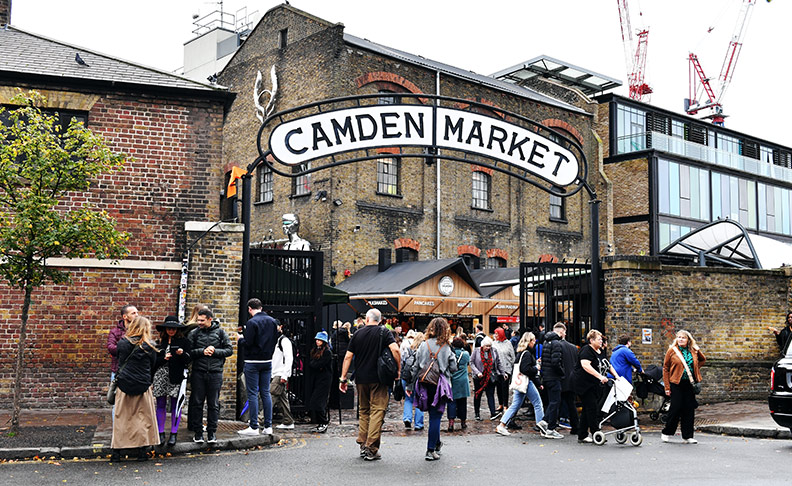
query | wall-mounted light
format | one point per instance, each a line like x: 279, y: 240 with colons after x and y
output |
x: 321, y: 195
x: 357, y: 228
x: 338, y: 202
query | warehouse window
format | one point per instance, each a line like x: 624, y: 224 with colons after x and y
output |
x: 265, y: 184
x: 388, y: 169
x: 481, y: 190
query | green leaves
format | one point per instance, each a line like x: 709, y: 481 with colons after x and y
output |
x: 39, y: 168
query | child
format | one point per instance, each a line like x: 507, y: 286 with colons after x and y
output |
x: 172, y: 363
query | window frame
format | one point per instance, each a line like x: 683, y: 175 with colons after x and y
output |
x: 383, y: 185
x: 498, y: 261
x: 486, y: 190
x: 303, y: 180
x: 561, y: 205
x: 266, y: 185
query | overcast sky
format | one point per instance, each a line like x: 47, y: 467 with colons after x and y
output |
x: 485, y: 37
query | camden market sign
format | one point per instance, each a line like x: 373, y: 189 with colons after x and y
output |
x: 445, y: 128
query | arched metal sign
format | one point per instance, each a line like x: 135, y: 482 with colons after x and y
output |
x: 351, y: 129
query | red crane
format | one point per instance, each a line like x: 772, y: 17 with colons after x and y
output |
x: 636, y: 63
x: 699, y: 83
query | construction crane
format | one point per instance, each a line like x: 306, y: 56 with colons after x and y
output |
x: 699, y: 83
x: 634, y: 54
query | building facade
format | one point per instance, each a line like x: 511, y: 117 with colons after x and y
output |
x: 350, y: 212
x: 171, y: 128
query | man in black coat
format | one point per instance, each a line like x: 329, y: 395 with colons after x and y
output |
x: 258, y: 343
x: 569, y: 358
x: 210, y: 348
x: 552, y: 377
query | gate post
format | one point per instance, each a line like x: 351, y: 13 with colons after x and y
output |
x: 595, y: 261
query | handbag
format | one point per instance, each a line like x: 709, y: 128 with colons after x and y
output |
x: 387, y: 368
x: 519, y: 381
x: 398, y: 391
x: 696, y: 384
x: 430, y: 373
x: 111, y: 390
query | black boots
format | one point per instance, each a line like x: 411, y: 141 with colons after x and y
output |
x: 172, y: 440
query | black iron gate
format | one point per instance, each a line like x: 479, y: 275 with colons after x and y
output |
x: 557, y: 292
x: 289, y: 285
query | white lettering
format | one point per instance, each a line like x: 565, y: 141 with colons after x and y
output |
x: 424, y: 302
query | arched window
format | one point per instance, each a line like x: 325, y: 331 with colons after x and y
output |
x: 471, y: 261
x: 496, y: 262
x: 482, y: 184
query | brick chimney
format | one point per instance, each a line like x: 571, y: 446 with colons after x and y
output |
x: 5, y: 12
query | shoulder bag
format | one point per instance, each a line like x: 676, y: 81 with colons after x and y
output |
x: 519, y: 381
x: 111, y: 390
x: 387, y: 368
x: 430, y: 373
x: 696, y: 384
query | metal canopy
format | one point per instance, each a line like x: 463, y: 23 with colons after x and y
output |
x: 726, y: 242
x: 585, y: 80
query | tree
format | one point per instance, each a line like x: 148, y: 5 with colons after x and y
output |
x: 39, y: 165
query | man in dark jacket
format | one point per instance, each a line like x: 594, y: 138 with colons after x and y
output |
x: 116, y: 334
x: 783, y: 335
x: 258, y: 344
x: 210, y: 348
x: 569, y: 358
x: 552, y: 377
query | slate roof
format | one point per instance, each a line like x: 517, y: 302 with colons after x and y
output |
x: 401, y: 277
x: 484, y: 275
x: 460, y: 73
x: 25, y: 53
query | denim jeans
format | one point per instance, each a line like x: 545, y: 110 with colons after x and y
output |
x: 409, y: 406
x: 517, y: 400
x: 257, y: 380
x: 435, y: 416
x: 205, y: 388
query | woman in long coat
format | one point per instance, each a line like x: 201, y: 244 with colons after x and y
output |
x: 319, y: 382
x: 135, y: 419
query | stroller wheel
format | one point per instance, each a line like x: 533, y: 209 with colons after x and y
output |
x: 621, y: 437
x: 636, y: 439
x: 664, y: 417
x: 598, y: 437
x: 654, y: 416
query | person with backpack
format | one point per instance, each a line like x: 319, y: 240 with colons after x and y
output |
x: 460, y: 385
x: 408, y: 358
x: 282, y: 360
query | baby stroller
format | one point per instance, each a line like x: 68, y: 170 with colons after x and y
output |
x: 651, y: 381
x: 620, y: 413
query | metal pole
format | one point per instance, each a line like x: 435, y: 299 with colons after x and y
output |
x: 437, y: 169
x: 245, y: 277
x: 595, y: 261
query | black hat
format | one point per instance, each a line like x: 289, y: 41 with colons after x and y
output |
x: 171, y: 321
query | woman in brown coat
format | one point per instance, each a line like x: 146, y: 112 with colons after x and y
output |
x: 679, y: 385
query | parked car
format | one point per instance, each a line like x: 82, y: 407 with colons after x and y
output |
x: 780, y: 399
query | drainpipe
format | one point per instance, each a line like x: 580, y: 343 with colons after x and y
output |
x: 437, y: 169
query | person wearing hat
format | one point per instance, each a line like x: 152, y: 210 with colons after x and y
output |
x: 320, y: 378
x: 172, y: 361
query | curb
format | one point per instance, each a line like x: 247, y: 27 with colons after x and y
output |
x: 747, y: 432
x: 103, y: 450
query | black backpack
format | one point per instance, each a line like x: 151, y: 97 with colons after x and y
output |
x: 406, y: 371
x: 387, y: 368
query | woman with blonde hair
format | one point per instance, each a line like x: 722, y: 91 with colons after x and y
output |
x: 527, y: 362
x: 408, y: 358
x: 683, y: 359
x: 135, y: 416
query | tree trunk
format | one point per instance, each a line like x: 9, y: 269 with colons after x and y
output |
x: 19, y: 366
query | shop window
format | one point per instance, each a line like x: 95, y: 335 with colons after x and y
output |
x: 496, y: 262
x: 557, y: 207
x: 482, y: 184
x: 301, y: 185
x: 388, y: 172
x: 265, y: 188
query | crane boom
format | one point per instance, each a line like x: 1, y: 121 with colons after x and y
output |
x: 634, y: 54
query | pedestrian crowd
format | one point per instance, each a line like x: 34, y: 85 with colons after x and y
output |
x: 432, y: 371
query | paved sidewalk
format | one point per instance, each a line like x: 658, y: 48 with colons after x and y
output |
x: 88, y: 431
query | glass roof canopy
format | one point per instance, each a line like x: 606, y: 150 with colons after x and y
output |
x: 726, y: 242
x: 587, y: 81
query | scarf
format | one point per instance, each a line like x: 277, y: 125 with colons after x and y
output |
x: 689, y: 359
x: 486, y: 372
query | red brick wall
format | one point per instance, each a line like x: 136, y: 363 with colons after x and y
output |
x: 174, y: 178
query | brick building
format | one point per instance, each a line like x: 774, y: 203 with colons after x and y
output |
x: 350, y: 212
x: 171, y: 127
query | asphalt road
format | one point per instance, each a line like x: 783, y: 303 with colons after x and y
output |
x: 484, y: 459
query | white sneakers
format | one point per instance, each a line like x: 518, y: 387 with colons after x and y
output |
x: 266, y: 431
x: 284, y: 426
x: 248, y: 431
x: 690, y: 441
x: 542, y: 425
x: 501, y: 429
x: 665, y: 438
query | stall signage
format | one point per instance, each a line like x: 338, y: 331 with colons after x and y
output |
x: 506, y: 306
x: 364, y: 127
x: 424, y: 302
x: 378, y: 302
x: 446, y: 285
